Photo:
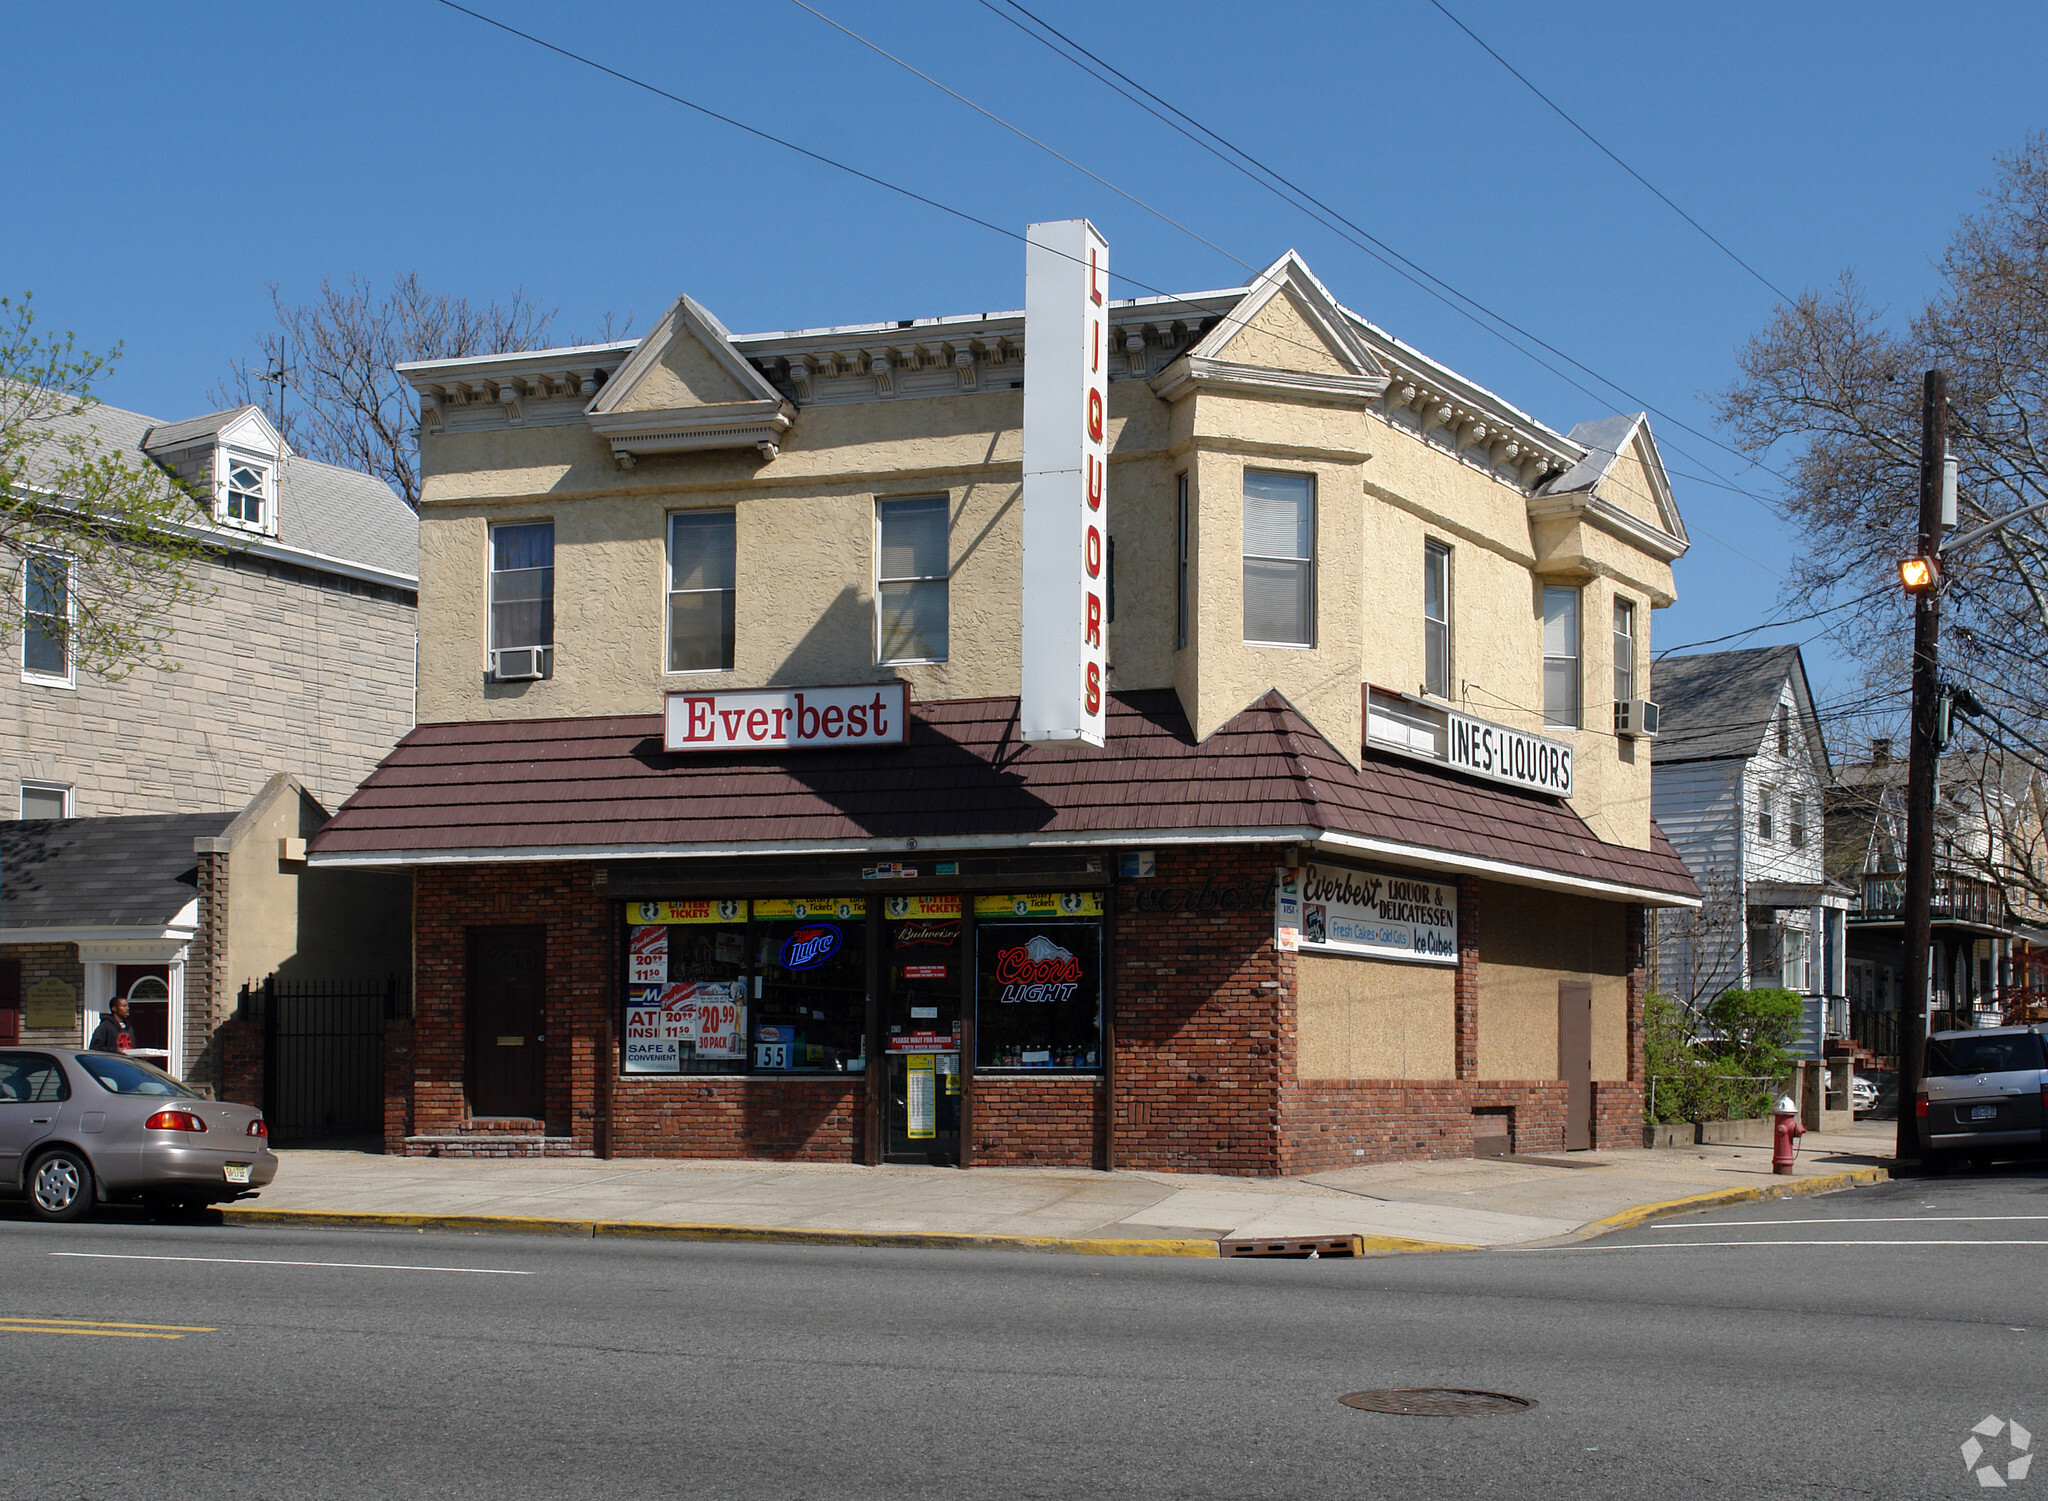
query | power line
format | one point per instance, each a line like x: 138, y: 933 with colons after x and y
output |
x: 1774, y: 624
x: 1602, y: 148
x: 1251, y: 167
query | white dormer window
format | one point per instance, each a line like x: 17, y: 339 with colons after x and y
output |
x: 248, y: 493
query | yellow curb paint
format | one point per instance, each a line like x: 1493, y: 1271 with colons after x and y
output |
x: 337, y: 1219
x: 1367, y: 1244
x: 905, y: 1239
x: 1643, y: 1214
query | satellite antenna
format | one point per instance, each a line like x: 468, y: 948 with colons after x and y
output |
x: 280, y: 374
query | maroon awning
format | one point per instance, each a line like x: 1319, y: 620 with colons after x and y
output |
x: 604, y: 787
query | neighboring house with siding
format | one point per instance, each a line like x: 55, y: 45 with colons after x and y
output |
x: 300, y: 657
x: 140, y: 797
x: 1740, y: 771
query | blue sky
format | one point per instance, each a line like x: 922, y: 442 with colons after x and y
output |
x: 169, y: 163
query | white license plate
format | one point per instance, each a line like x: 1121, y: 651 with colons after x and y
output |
x: 1983, y: 1112
x: 238, y: 1172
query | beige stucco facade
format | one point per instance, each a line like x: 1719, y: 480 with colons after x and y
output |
x: 1277, y: 380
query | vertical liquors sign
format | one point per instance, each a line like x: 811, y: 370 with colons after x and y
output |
x: 1066, y: 482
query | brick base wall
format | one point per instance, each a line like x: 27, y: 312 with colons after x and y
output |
x: 780, y: 1120
x: 1204, y: 1014
x: 1332, y: 1123
x: 1617, y: 1114
x: 40, y: 961
x: 1025, y: 1122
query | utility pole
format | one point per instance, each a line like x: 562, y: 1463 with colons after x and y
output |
x: 1918, y: 905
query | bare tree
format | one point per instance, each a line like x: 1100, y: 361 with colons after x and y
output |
x: 1832, y: 386
x: 98, y: 554
x: 337, y: 353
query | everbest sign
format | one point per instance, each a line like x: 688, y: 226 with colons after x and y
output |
x: 786, y: 718
x: 1375, y: 914
x: 1066, y: 461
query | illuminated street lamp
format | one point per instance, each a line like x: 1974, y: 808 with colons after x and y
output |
x: 1920, y: 575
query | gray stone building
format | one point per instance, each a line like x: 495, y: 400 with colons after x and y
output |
x: 301, y: 660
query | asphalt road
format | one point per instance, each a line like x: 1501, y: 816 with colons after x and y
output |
x: 1813, y: 1348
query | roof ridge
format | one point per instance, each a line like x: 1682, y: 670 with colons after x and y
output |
x: 1276, y: 703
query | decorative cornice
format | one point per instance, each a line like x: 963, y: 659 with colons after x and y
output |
x: 726, y: 424
x: 1192, y: 373
x: 1605, y: 516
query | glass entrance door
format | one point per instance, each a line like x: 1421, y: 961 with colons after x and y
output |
x: 923, y: 982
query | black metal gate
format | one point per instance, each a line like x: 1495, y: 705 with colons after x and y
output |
x: 323, y: 1055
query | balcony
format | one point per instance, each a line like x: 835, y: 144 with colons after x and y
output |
x: 1957, y: 898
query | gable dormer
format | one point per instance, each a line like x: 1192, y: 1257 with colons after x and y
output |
x: 1287, y: 338
x: 686, y: 389
x: 235, y: 457
x: 1619, y: 487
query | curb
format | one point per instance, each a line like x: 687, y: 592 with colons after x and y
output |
x: 1643, y: 1214
x: 505, y: 1224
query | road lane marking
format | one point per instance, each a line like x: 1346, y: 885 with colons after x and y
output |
x: 22, y: 1324
x: 354, y: 1266
x: 1675, y: 1245
x: 1880, y: 1219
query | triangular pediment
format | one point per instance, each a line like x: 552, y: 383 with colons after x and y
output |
x: 1623, y: 474
x: 1287, y: 320
x: 686, y: 360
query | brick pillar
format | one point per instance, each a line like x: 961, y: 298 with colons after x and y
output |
x: 1466, y: 992
x: 398, y: 1075
x: 207, y: 1004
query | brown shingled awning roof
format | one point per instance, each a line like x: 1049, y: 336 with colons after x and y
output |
x: 561, y: 789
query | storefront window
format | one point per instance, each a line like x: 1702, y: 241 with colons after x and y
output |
x: 810, y: 985
x: 686, y: 987
x: 710, y: 992
x: 1039, y: 972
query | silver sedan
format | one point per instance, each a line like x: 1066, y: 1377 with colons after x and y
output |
x: 79, y: 1128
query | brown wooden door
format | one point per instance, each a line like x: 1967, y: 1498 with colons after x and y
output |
x: 507, y: 1022
x: 1575, y: 1061
x: 10, y: 1002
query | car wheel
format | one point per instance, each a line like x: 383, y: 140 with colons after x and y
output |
x: 60, y: 1186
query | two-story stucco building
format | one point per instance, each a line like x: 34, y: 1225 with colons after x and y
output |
x: 726, y: 840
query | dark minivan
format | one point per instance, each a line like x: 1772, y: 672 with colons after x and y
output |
x: 1985, y: 1093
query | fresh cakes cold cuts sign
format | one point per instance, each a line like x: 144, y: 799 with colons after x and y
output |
x: 786, y: 718
x: 1336, y: 909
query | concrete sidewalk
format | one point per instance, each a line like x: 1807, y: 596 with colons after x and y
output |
x: 1401, y: 1206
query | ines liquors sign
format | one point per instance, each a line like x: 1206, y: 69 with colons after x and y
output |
x: 1066, y: 462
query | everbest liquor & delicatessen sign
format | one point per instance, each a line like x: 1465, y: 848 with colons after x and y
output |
x: 1380, y: 914
x: 786, y: 718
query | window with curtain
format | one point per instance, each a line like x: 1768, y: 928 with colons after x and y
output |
x: 1436, y: 619
x: 1279, y: 558
x: 523, y: 585
x: 1561, y: 658
x: 701, y: 567
x: 1624, y: 650
x: 911, y: 580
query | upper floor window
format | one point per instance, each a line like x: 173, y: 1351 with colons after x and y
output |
x: 1784, y: 730
x: 1560, y: 657
x: 1795, y: 823
x: 1180, y: 577
x: 246, y: 492
x: 1766, y: 801
x: 523, y: 585
x: 1624, y: 650
x: 1436, y: 619
x: 701, y: 549
x: 46, y: 619
x: 910, y: 580
x: 1279, y: 558
x: 45, y: 800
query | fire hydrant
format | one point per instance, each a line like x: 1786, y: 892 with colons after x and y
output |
x: 1785, y: 1132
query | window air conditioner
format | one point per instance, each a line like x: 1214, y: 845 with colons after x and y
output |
x: 1636, y: 718
x: 519, y: 664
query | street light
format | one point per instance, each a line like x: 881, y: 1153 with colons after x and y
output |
x: 1920, y: 575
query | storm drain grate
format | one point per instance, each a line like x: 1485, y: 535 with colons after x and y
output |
x: 1291, y: 1245
x: 1436, y: 1402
